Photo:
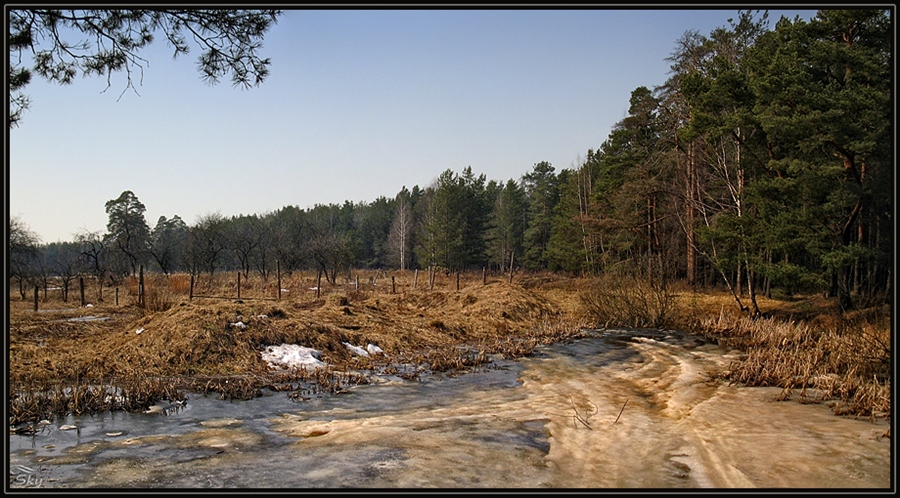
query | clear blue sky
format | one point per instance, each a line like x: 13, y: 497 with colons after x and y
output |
x: 359, y: 103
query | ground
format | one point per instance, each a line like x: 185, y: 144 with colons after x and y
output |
x: 179, y: 339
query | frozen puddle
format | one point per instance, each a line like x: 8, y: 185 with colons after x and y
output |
x: 614, y: 411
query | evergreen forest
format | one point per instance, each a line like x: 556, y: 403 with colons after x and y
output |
x: 764, y: 164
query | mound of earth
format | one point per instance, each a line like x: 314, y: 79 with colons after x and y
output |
x: 226, y: 337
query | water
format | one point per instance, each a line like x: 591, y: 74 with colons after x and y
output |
x: 619, y: 409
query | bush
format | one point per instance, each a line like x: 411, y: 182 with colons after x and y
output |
x: 630, y: 301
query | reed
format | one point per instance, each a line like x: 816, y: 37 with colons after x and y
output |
x: 59, y: 366
x: 848, y: 366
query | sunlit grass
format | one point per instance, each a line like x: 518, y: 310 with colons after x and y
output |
x: 187, y: 341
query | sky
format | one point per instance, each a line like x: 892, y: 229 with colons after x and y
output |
x: 358, y: 104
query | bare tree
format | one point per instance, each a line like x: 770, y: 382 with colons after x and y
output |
x: 206, y: 244
x: 65, y: 262
x: 23, y: 252
x: 95, y: 254
x: 398, y: 242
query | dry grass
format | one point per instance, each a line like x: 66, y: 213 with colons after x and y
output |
x: 196, y: 344
x: 848, y: 365
x: 61, y: 366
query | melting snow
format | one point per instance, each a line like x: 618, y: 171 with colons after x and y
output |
x: 292, y: 356
x: 358, y: 351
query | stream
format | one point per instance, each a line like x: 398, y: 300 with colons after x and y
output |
x: 615, y: 409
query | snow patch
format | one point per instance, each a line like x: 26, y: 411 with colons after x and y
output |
x: 292, y: 356
x: 358, y: 351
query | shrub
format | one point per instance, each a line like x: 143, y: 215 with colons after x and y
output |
x: 630, y: 301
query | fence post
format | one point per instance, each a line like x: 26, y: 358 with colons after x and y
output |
x: 483, y: 276
x: 457, y: 280
x: 191, y: 295
x: 239, y: 285
x: 35, y: 298
x: 141, y: 287
x: 81, y: 284
x: 318, y: 284
x: 278, y: 273
x: 117, y: 296
x: 416, y: 278
x: 393, y: 285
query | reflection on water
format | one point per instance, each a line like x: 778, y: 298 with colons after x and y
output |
x: 616, y: 409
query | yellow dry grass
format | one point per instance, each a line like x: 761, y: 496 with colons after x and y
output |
x: 199, y: 337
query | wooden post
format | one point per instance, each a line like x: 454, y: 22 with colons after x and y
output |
x: 318, y: 285
x: 191, y: 295
x: 431, y: 278
x: 239, y: 285
x: 512, y: 257
x: 393, y: 285
x: 35, y: 298
x: 416, y: 278
x: 483, y: 276
x: 141, y: 287
x: 117, y: 296
x: 357, y: 283
x: 81, y: 284
x: 457, y: 280
x: 278, y: 273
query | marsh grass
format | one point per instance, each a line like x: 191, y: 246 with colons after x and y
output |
x: 58, y: 366
x: 175, y: 344
x: 847, y: 363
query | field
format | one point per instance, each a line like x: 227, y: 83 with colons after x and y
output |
x: 206, y: 334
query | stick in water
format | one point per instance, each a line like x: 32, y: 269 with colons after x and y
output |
x: 620, y: 411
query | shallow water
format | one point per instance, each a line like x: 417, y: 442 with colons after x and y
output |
x: 621, y: 409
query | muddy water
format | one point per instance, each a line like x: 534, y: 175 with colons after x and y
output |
x: 617, y: 409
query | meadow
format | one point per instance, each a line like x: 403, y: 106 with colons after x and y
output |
x: 170, y: 335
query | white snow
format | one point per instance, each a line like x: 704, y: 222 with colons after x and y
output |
x: 358, y: 351
x: 373, y: 349
x: 292, y: 356
x: 239, y: 325
x: 138, y: 331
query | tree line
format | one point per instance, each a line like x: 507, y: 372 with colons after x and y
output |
x: 763, y: 164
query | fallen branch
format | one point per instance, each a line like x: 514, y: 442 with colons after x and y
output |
x: 583, y: 419
x: 620, y: 411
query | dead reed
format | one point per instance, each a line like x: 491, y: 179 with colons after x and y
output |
x: 133, y: 357
x: 849, y: 366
